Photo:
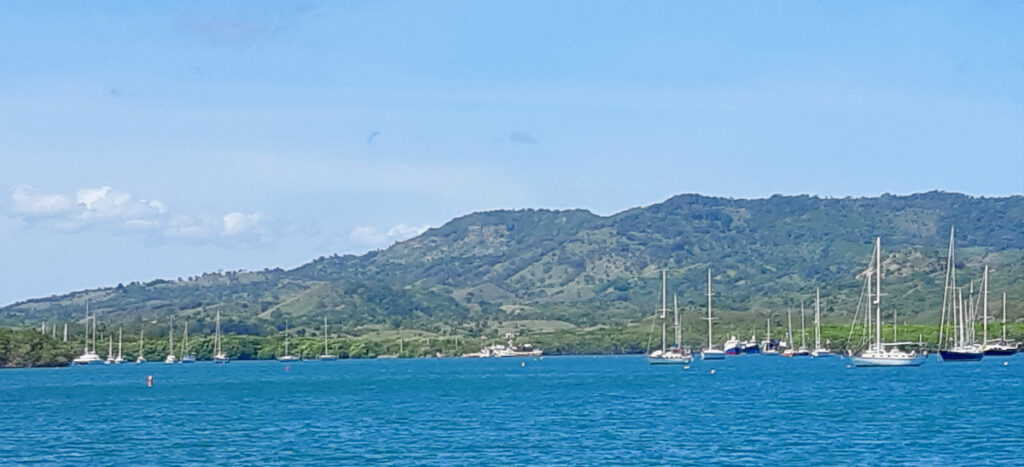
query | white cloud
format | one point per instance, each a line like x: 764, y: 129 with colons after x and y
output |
x: 370, y: 236
x: 25, y: 201
x: 106, y: 208
x: 237, y: 223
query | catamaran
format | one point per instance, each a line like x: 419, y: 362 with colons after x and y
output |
x: 711, y: 353
x: 218, y: 353
x: 170, y: 358
x: 89, y: 355
x: 185, y: 357
x: 959, y: 345
x: 326, y: 355
x: 819, y: 350
x: 287, y: 357
x: 677, y: 353
x: 1002, y: 346
x: 879, y: 353
x: 141, y: 358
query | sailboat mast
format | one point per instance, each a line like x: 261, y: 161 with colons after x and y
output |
x: 118, y: 342
x: 817, y: 318
x: 878, y: 292
x: 664, y: 320
x: 710, y: 340
x: 170, y: 345
x: 679, y: 331
x: 803, y: 327
x: 946, y: 290
x: 984, y: 307
x: 1004, y: 317
x: 140, y: 341
x: 65, y: 332
x: 789, y: 330
x: 325, y: 334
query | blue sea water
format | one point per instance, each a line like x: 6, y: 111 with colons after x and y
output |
x: 554, y: 410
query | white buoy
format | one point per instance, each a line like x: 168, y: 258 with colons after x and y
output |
x: 1005, y: 363
x: 712, y: 371
x: 522, y: 364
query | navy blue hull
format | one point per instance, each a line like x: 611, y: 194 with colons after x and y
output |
x: 961, y: 356
x: 1000, y: 352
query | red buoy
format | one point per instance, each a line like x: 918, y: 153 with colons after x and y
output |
x: 149, y: 381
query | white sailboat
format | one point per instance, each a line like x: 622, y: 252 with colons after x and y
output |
x: 959, y: 345
x: 110, y: 351
x: 1002, y: 346
x: 119, y: 359
x: 89, y: 355
x: 170, y: 358
x: 677, y: 354
x: 185, y: 357
x: 287, y: 357
x: 218, y: 353
x: 326, y: 355
x: 711, y: 353
x: 141, y: 358
x: 879, y: 353
x: 819, y: 350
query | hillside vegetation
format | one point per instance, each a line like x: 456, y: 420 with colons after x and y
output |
x: 543, y: 271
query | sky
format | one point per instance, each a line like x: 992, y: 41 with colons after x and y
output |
x: 143, y: 140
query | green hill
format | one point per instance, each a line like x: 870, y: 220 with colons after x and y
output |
x: 543, y: 270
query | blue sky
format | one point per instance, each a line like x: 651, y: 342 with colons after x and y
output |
x: 143, y: 140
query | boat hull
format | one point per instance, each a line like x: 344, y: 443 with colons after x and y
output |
x: 954, y: 356
x: 670, y: 361
x: 1000, y: 352
x: 712, y: 355
x: 886, y: 361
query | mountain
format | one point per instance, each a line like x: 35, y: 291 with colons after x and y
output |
x: 558, y: 269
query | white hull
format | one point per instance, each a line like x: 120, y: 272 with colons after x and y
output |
x: 170, y: 359
x: 712, y: 355
x: 288, y: 358
x: 862, y: 361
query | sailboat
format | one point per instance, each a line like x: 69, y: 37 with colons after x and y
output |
x: 818, y: 351
x: 711, y: 353
x: 879, y: 353
x: 170, y: 358
x: 1002, y: 346
x: 790, y: 351
x: 218, y: 353
x: 326, y: 355
x: 119, y: 359
x: 677, y: 354
x: 141, y: 358
x: 185, y: 357
x: 110, y: 351
x: 89, y: 355
x: 771, y: 348
x: 287, y: 357
x: 802, y: 351
x: 958, y: 346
